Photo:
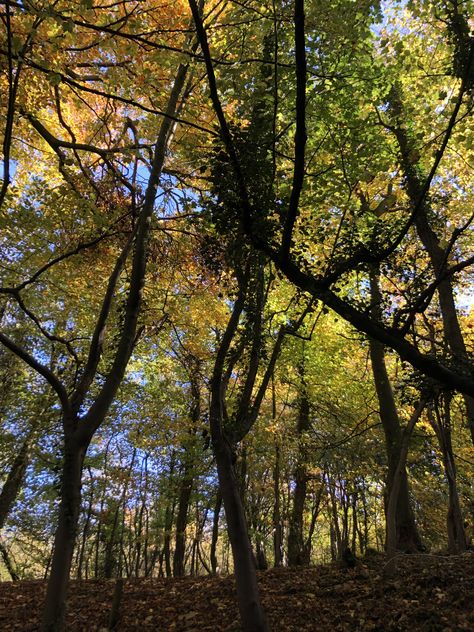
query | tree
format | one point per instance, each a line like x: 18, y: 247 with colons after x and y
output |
x: 83, y: 414
x: 194, y: 212
x: 376, y: 248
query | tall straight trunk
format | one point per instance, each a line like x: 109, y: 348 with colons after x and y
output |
x: 140, y: 543
x: 54, y: 607
x: 85, y: 534
x: 277, y: 526
x: 146, y: 539
x: 187, y: 479
x: 332, y: 539
x: 167, y: 540
x: 98, y: 537
x: 354, y: 523
x: 344, y: 501
x: 260, y: 556
x: 165, y: 554
x: 338, y: 544
x: 110, y: 555
x: 215, y: 532
x: 407, y: 538
x: 364, y: 539
x: 181, y: 522
x: 296, y: 542
x: 200, y: 524
x: 314, y: 516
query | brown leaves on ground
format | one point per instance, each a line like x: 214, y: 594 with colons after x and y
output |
x: 426, y: 593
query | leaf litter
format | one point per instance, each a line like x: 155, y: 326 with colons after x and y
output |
x: 423, y: 593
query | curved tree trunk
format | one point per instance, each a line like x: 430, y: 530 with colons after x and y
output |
x: 392, y: 540
x: 436, y: 253
x: 252, y: 615
x: 15, y: 478
x: 407, y: 536
x: 451, y: 327
x: 251, y: 612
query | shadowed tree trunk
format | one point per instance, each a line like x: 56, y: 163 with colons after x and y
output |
x: 168, y: 525
x: 440, y: 419
x: 15, y: 477
x: 187, y: 478
x: 81, y: 559
x: 181, y: 522
x: 277, y: 525
x: 9, y: 565
x: 252, y: 615
x: 407, y: 538
x: 251, y: 612
x: 65, y: 537
x: 392, y: 539
x: 296, y: 543
x: 437, y: 254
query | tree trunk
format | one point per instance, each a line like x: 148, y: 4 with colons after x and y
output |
x: 9, y: 564
x: 215, y: 532
x: 187, y: 480
x: 451, y: 328
x: 111, y: 553
x: 54, y: 608
x: 429, y: 239
x: 296, y: 543
x: 314, y: 516
x: 15, y: 478
x: 354, y: 523
x: 277, y: 526
x: 85, y: 532
x: 408, y: 538
x: 457, y: 542
x: 181, y: 522
x: 338, y: 545
x: 393, y: 498
x: 251, y: 612
x: 167, y: 540
x: 364, y: 536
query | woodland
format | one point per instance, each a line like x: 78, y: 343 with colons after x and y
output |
x: 236, y: 313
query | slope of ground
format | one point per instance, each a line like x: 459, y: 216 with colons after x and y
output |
x: 426, y: 593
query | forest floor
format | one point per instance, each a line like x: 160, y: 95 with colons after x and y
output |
x: 429, y: 593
